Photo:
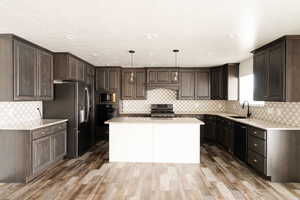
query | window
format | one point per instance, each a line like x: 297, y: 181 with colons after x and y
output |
x: 246, y: 83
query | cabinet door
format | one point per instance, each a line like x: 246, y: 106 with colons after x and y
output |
x: 80, y: 70
x: 140, y: 92
x: 89, y: 74
x: 221, y: 86
x: 215, y: 84
x: 260, y: 75
x: 45, y: 75
x: 276, y: 72
x: 101, y: 79
x: 187, y: 84
x: 211, y: 131
x: 128, y: 85
x: 72, y: 68
x: 41, y: 153
x: 163, y: 76
x: 202, y: 87
x: 224, y: 86
x: 25, y: 71
x: 152, y: 76
x: 212, y: 84
x: 59, y: 145
x: 114, y: 80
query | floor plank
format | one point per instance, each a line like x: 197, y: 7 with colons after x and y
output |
x: 91, y: 177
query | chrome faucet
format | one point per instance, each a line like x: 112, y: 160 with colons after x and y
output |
x: 248, y: 111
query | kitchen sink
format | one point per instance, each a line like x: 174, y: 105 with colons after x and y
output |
x: 238, y: 117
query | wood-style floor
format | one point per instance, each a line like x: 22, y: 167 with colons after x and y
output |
x: 90, y: 177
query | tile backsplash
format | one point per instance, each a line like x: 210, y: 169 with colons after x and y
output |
x: 278, y: 112
x: 165, y: 96
x: 16, y: 112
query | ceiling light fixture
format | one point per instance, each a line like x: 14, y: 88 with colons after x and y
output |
x: 131, y: 79
x: 176, y: 63
x: 175, y: 57
x: 131, y: 56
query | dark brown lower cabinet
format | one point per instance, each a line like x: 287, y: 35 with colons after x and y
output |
x: 210, y: 128
x: 274, y: 154
x: 41, y: 153
x: 29, y: 153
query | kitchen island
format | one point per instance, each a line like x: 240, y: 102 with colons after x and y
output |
x: 154, y: 140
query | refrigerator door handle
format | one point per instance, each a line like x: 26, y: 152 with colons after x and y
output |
x: 87, y: 104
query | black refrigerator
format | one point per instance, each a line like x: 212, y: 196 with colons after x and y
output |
x: 72, y: 101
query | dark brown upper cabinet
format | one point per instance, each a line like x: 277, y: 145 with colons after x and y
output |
x: 68, y: 67
x: 217, y: 83
x: 276, y: 70
x: 90, y: 74
x: 108, y: 79
x: 187, y: 84
x: 133, y: 84
x: 225, y: 82
x: 26, y: 70
x: 202, y: 84
x: 45, y: 75
x: 163, y: 77
x: 260, y: 75
x: 194, y: 84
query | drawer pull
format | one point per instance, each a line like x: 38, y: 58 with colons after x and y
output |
x: 255, y: 145
x: 43, y: 132
x: 255, y: 160
x: 254, y: 132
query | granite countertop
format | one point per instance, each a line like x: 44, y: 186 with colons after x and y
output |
x: 32, y: 125
x: 141, y: 120
x: 262, y: 124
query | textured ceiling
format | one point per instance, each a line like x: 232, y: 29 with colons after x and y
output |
x: 206, y: 32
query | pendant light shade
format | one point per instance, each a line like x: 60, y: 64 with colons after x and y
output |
x: 176, y: 51
x: 131, y: 79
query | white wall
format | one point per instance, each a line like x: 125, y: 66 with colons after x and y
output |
x: 246, y: 67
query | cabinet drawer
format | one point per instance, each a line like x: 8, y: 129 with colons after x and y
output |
x: 41, y: 132
x: 257, y: 132
x: 257, y: 145
x: 48, y: 130
x: 257, y: 161
x: 59, y: 127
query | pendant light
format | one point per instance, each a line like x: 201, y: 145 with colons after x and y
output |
x: 176, y: 51
x: 131, y: 79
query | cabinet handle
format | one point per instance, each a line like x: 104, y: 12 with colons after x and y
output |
x: 255, y: 133
x: 255, y: 145
x: 42, y: 132
x: 255, y: 160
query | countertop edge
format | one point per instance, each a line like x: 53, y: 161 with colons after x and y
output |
x: 35, y: 127
x: 249, y: 123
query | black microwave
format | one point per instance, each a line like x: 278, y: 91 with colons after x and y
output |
x: 108, y: 97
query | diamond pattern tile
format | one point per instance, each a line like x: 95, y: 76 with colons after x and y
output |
x: 16, y: 112
x: 165, y: 96
x: 281, y: 112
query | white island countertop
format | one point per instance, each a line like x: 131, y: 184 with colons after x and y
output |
x: 154, y: 140
x: 141, y: 120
